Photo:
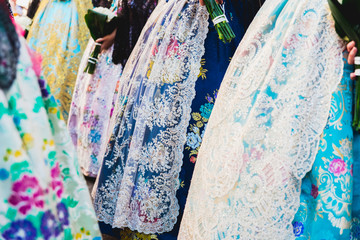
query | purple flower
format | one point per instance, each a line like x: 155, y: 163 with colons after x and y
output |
x: 63, y: 214
x: 20, y: 230
x: 298, y: 228
x: 44, y: 92
x: 314, y: 191
x: 49, y: 227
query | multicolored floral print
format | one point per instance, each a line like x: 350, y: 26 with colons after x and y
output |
x: 326, y: 199
x: 91, y: 109
x: 42, y: 194
x: 197, y: 129
x: 21, y: 229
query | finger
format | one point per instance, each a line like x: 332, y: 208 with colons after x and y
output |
x: 352, y: 76
x: 202, y: 3
x: 219, y: 1
x: 352, y: 55
x: 99, y: 40
x: 350, y: 46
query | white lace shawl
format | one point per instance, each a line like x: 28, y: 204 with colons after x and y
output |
x: 150, y: 120
x: 263, y: 134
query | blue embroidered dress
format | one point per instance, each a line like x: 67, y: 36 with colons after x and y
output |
x: 329, y: 206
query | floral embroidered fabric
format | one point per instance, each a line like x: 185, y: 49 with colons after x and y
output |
x: 92, y: 106
x: 61, y: 41
x: 91, y: 109
x: 139, y: 175
x: 42, y: 195
x: 264, y: 131
x: 326, y: 200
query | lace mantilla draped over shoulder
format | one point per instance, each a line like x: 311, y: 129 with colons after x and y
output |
x: 264, y: 131
x: 139, y: 176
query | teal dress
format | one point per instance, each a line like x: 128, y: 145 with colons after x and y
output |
x: 59, y: 33
x: 328, y: 202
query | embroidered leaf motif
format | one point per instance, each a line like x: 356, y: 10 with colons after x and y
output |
x: 11, y: 214
x: 38, y: 104
x: 70, y: 202
x: 18, y: 169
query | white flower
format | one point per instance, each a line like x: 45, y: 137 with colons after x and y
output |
x: 110, y: 15
x: 24, y: 22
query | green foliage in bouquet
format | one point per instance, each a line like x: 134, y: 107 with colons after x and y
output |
x: 222, y: 26
x: 99, y: 27
x: 346, y: 14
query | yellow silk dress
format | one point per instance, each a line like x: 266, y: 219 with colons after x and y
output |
x: 59, y: 33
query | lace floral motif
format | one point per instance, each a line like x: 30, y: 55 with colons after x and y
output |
x: 91, y: 109
x: 326, y: 202
x: 197, y: 129
x: 263, y: 134
x: 139, y: 176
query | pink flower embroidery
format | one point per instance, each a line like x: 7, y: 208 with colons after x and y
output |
x: 172, y: 48
x: 337, y: 167
x: 56, y: 183
x: 246, y: 157
x: 193, y: 159
x: 154, y: 50
x: 256, y: 154
x: 26, y: 194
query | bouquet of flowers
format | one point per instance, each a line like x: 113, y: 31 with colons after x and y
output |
x: 220, y: 21
x: 346, y: 14
x: 101, y: 22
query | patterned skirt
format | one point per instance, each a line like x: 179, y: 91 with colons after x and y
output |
x: 61, y: 41
x: 328, y: 203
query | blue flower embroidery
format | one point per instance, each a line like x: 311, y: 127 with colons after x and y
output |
x: 49, y: 226
x: 298, y: 228
x: 21, y: 229
x: 206, y: 110
x: 63, y: 214
x: 4, y: 174
x: 193, y: 140
x: 94, y: 136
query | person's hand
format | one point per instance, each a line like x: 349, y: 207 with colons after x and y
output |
x: 351, y: 57
x: 202, y: 3
x: 107, y: 41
